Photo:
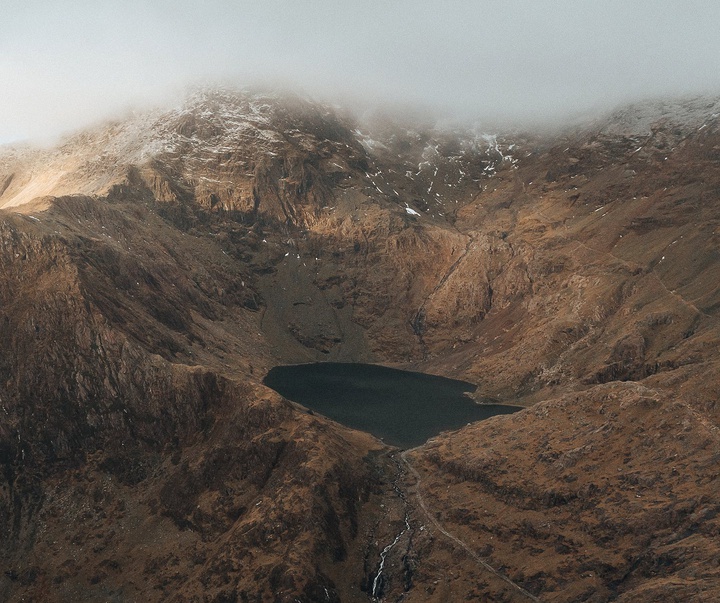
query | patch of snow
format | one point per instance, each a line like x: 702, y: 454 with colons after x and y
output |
x: 369, y: 144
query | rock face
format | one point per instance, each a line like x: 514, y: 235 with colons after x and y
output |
x: 154, y: 269
x: 605, y: 512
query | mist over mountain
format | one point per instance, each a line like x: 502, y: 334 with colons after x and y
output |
x: 154, y: 268
x: 72, y: 63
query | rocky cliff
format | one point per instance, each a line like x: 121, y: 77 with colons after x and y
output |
x: 155, y: 268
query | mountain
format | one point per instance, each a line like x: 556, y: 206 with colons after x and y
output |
x: 154, y: 269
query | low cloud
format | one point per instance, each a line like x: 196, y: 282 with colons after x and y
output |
x: 67, y: 64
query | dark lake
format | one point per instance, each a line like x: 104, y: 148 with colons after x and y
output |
x: 402, y: 408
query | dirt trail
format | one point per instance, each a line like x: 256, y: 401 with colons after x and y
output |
x: 479, y: 560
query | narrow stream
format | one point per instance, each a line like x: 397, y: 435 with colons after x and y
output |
x: 378, y: 582
x: 402, y: 408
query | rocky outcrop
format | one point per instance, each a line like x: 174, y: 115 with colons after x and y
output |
x: 617, y: 495
x: 154, y: 269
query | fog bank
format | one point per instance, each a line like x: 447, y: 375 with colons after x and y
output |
x: 67, y: 64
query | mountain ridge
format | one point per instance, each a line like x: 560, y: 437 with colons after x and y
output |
x: 146, y: 295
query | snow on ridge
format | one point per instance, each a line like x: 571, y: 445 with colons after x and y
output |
x: 90, y: 161
x: 640, y: 118
x: 369, y: 143
x: 492, y: 144
x: 235, y: 117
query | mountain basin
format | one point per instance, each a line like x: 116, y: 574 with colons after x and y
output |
x: 402, y: 408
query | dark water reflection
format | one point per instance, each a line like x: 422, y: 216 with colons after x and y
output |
x: 402, y: 408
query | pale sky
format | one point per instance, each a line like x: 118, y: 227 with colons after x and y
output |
x: 67, y: 63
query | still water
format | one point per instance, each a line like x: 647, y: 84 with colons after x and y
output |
x: 402, y: 408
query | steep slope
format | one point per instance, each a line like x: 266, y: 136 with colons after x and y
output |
x: 618, y: 498
x: 125, y: 454
x: 599, y: 251
x: 154, y: 269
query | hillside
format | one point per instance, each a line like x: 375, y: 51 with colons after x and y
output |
x: 154, y: 269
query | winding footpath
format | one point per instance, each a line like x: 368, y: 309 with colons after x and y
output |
x: 484, y: 564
